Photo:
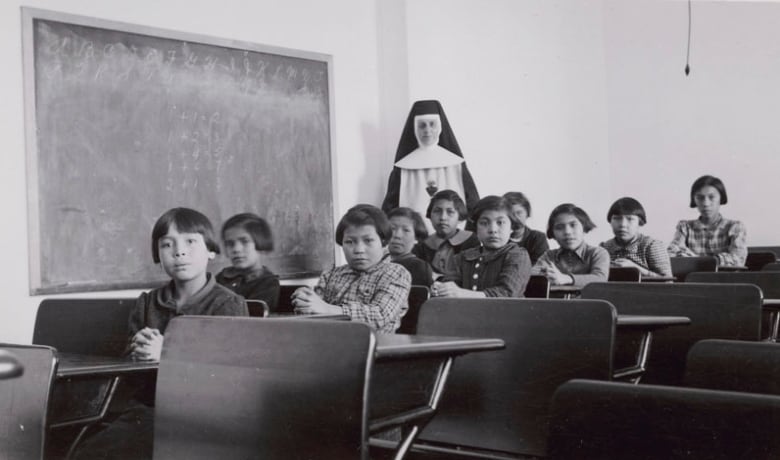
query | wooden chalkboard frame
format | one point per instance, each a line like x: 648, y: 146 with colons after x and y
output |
x: 37, y: 285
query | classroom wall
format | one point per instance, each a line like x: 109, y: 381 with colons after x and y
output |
x: 522, y: 83
x: 346, y: 29
x: 666, y: 129
x: 565, y: 100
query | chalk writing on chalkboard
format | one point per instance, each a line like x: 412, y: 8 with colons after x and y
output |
x: 125, y: 122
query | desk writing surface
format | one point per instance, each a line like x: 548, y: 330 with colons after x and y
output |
x: 400, y: 346
x: 650, y: 322
x: 73, y: 364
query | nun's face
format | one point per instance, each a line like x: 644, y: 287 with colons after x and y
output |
x: 427, y: 129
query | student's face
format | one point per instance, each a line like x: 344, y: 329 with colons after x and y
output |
x: 494, y: 228
x: 444, y: 218
x: 520, y: 213
x: 184, y: 256
x: 707, y: 201
x: 427, y: 129
x: 240, y: 248
x: 625, y: 226
x: 403, y: 239
x: 362, y: 247
x: 568, y: 231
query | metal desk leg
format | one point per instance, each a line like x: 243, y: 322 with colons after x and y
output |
x: 774, y: 320
x: 634, y: 373
x: 433, y: 403
x: 89, y: 421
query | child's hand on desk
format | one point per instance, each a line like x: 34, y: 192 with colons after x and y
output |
x: 444, y: 289
x: 147, y: 345
x: 557, y: 277
x: 686, y: 252
x: 450, y: 289
x: 622, y: 262
x: 307, y: 302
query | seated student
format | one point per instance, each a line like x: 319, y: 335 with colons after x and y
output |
x: 533, y: 241
x: 369, y: 288
x: 245, y: 237
x: 629, y: 248
x: 711, y: 234
x: 446, y: 210
x: 183, y: 242
x: 409, y: 229
x: 575, y: 263
x: 496, y: 268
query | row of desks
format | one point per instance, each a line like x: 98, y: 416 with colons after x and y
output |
x: 390, y: 348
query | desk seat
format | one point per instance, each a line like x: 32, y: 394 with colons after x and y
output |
x: 606, y: 420
x: 285, y: 389
x: 101, y: 325
x: 717, y: 311
x: 24, y: 402
x: 734, y: 365
x: 498, y: 402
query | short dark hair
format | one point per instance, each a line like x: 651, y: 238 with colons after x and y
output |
x: 712, y: 181
x: 568, y: 208
x: 449, y: 195
x: 255, y: 225
x: 186, y: 220
x: 365, y: 214
x: 518, y: 198
x: 494, y: 203
x: 627, y: 206
x: 420, y: 230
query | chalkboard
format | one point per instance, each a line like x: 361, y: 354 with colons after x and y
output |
x: 124, y: 122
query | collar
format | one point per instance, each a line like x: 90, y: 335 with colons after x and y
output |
x: 579, y: 252
x: 634, y: 243
x: 521, y: 237
x: 699, y: 224
x: 166, y: 300
x: 487, y: 255
x: 435, y: 241
x: 231, y: 273
x: 434, y: 156
x: 408, y: 255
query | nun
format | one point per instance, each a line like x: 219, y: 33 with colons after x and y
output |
x: 428, y: 159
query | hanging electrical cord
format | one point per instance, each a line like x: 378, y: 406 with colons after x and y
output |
x: 688, y: 51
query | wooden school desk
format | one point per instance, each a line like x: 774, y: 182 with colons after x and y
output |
x: 646, y: 324
x: 85, y: 387
x: 432, y: 356
x: 716, y: 311
x: 405, y: 364
x: 9, y: 365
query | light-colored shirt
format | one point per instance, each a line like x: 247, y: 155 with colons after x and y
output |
x: 586, y: 264
x: 378, y: 296
x: 723, y: 238
x: 644, y: 251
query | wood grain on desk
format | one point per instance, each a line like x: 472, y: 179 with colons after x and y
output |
x: 73, y: 364
x: 650, y: 322
x: 400, y: 346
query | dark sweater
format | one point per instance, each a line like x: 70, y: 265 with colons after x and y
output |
x: 260, y: 284
x: 421, y: 272
x: 156, y: 308
x: 534, y: 241
x: 502, y: 272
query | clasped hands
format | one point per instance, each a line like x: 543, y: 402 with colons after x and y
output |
x: 306, y: 301
x: 147, y: 345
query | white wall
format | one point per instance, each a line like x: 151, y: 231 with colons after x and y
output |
x: 346, y: 29
x: 666, y: 129
x: 565, y: 100
x: 522, y: 83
